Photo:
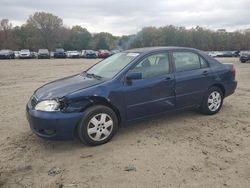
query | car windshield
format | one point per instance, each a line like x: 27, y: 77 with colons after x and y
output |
x: 245, y: 53
x: 90, y: 51
x: 4, y: 51
x: 109, y: 67
x: 43, y: 51
x: 59, y: 50
x: 25, y: 51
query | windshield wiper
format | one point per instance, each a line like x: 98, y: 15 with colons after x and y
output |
x: 93, y: 76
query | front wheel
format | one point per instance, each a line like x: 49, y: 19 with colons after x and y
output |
x: 98, y: 126
x: 212, y: 101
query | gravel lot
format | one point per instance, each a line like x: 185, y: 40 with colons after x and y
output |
x: 177, y: 150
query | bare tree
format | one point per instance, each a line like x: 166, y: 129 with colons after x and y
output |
x: 48, y: 26
x: 5, y: 27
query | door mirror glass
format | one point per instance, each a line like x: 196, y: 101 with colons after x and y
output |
x: 133, y: 76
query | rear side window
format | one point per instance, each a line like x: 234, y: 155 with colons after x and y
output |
x: 203, y: 63
x: 185, y: 61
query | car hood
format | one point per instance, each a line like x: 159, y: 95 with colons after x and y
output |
x: 24, y: 53
x: 65, y: 86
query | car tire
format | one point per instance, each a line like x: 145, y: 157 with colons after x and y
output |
x: 98, y: 125
x: 212, y: 101
x: 243, y: 61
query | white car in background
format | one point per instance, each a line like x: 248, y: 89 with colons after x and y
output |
x: 73, y: 54
x: 83, y: 53
x: 213, y: 53
x: 25, y: 54
x: 17, y: 54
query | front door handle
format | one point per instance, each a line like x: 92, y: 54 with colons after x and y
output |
x: 169, y: 78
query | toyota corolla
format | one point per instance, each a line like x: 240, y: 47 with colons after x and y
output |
x: 131, y: 85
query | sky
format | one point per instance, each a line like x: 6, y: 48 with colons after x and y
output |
x: 123, y: 17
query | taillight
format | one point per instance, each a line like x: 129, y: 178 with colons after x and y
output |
x: 233, y: 71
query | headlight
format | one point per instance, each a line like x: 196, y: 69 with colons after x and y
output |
x: 48, y: 106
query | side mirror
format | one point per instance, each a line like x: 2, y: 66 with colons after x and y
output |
x: 133, y: 76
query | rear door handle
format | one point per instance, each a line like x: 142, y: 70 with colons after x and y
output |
x: 169, y: 78
x: 205, y: 73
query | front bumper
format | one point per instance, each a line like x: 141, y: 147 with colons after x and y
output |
x: 4, y: 57
x: 59, y: 55
x: 24, y: 57
x: 75, y: 56
x: 91, y: 56
x: 41, y: 56
x: 53, y: 125
x: 244, y: 58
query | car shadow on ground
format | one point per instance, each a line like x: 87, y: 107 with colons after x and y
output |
x: 165, y: 121
x: 160, y: 121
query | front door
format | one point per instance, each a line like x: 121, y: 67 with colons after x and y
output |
x: 154, y: 92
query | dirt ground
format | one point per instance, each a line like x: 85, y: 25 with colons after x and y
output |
x: 177, y: 150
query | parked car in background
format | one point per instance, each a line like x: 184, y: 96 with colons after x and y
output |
x: 7, y: 54
x: 34, y: 55
x: 90, y: 54
x: 212, y: 53
x: 112, y: 52
x: 226, y: 54
x: 59, y: 53
x: 25, y: 54
x: 103, y: 53
x: 17, y: 54
x: 128, y: 86
x: 51, y: 54
x: 236, y: 53
x: 83, y: 53
x: 43, y: 54
x: 73, y: 54
x: 245, y: 56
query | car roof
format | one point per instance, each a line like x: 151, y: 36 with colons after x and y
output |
x: 148, y: 49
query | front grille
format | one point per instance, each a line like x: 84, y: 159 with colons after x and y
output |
x: 33, y: 101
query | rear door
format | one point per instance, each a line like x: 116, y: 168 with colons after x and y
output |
x: 193, y: 76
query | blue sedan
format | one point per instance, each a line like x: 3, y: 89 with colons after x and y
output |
x: 130, y: 85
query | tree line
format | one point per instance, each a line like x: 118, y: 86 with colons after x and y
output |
x: 45, y: 30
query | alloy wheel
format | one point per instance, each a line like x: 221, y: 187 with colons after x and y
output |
x: 214, y: 101
x: 100, y: 127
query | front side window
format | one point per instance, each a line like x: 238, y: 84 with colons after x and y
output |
x: 153, y: 66
x: 185, y: 61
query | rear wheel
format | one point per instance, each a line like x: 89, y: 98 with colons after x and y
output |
x: 98, y: 126
x: 212, y: 101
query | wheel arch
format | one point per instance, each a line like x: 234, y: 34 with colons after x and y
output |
x: 221, y: 87
x: 98, y: 100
